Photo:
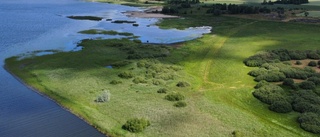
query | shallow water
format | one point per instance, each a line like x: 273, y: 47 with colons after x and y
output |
x: 33, y: 25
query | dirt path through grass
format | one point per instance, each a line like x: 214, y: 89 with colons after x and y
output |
x: 215, y: 49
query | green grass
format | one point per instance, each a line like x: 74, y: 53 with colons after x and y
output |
x: 219, y: 100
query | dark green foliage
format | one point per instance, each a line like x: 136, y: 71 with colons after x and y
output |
x: 295, y: 73
x: 115, y: 82
x: 120, y: 64
x: 261, y: 83
x: 307, y: 85
x: 313, y: 55
x: 257, y: 72
x: 310, y: 122
x: 126, y: 75
x: 180, y: 104
x: 318, y: 62
x: 271, y: 76
x: 304, y: 97
x: 312, y: 63
x: 157, y: 82
x: 139, y: 80
x: 183, y: 84
x: 136, y: 125
x: 162, y: 90
x: 269, y: 93
x: 315, y: 80
x: 260, y: 58
x: 288, y: 82
x: 174, y: 97
x: 297, y: 55
x: 298, y: 62
x: 281, y: 106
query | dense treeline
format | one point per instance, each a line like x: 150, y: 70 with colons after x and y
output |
x: 299, y: 89
x: 285, y: 2
x: 216, y: 9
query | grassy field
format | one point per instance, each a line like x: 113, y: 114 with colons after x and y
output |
x: 219, y: 100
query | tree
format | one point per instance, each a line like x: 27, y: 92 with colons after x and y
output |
x: 281, y: 106
x: 288, y: 82
x: 306, y: 14
x: 136, y: 125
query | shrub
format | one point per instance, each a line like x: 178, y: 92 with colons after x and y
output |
x: 307, y: 85
x: 312, y: 63
x: 104, y: 97
x: 288, y: 82
x: 318, y: 62
x: 269, y: 93
x: 310, y: 122
x: 183, y: 84
x: 281, y: 106
x: 299, y: 55
x: 312, y: 55
x: 115, y: 82
x: 298, y: 62
x: 180, y: 104
x: 139, y: 80
x: 135, y: 56
x: 120, y: 64
x: 315, y: 80
x: 157, y: 82
x: 174, y: 97
x: 258, y: 72
x: 261, y: 83
x: 271, y: 76
x: 136, y: 125
x: 126, y: 75
x: 162, y: 90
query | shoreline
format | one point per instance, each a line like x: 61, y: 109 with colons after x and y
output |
x: 52, y: 99
x: 150, y: 12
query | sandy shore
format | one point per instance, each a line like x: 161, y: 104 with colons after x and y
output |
x: 149, y: 13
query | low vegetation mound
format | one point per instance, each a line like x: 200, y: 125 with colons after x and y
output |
x: 174, y: 97
x: 136, y: 125
x: 302, y: 96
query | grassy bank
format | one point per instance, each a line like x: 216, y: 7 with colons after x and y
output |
x: 219, y: 98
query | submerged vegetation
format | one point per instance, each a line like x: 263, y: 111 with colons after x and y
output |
x: 107, y: 32
x: 93, y: 18
x: 195, y: 88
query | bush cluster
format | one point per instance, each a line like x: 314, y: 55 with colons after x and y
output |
x: 162, y: 90
x: 310, y: 122
x: 126, y: 74
x: 304, y: 98
x: 281, y: 106
x: 182, y: 84
x: 180, y: 104
x: 312, y: 63
x: 174, y: 97
x: 136, y: 125
x: 115, y: 82
x: 139, y: 80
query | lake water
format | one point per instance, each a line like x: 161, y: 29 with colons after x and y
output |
x: 33, y: 25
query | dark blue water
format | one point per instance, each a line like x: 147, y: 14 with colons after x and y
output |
x: 24, y: 113
x: 32, y: 25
